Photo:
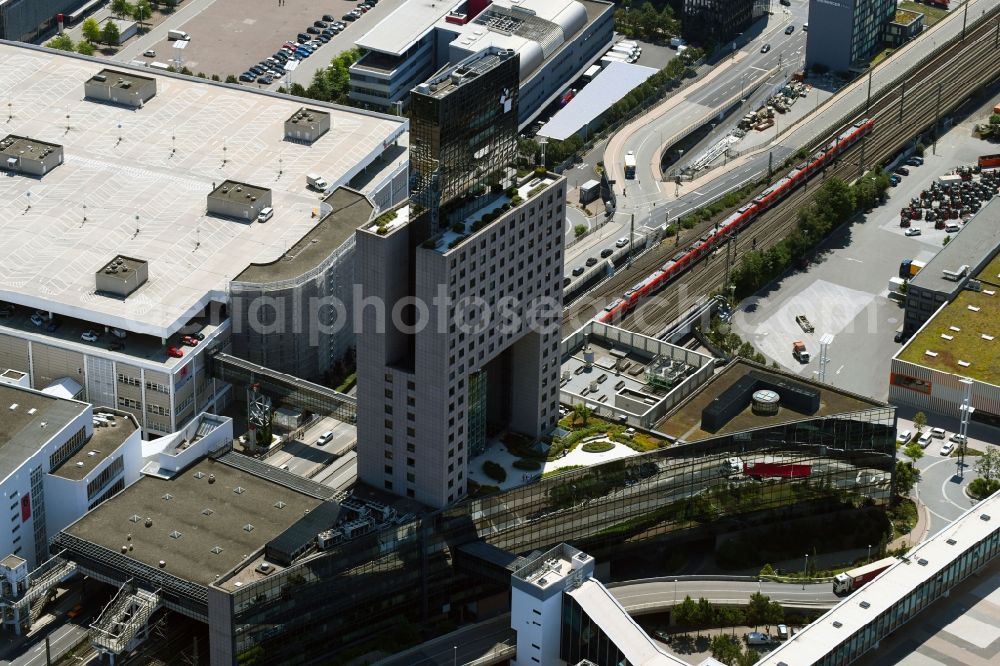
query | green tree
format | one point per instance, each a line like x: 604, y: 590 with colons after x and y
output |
x: 142, y: 11
x: 905, y: 478
x: 230, y: 78
x: 919, y: 421
x: 582, y: 412
x: 686, y: 614
x: 121, y: 8
x: 62, y: 42
x: 91, y: 30
x: 705, y: 614
x: 988, y: 465
x: 914, y: 451
x: 725, y: 649
x: 767, y: 570
x: 775, y: 614
x: 757, y: 610
x: 169, y: 4
x: 580, y: 230
x: 748, y: 658
x: 85, y: 48
x: 945, y: 240
x: 110, y: 33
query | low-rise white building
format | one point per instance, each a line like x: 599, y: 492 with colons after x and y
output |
x: 58, y: 459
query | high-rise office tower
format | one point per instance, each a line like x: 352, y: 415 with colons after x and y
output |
x: 461, y: 292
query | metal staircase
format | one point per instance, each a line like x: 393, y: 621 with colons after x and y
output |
x: 124, y: 622
x: 23, y: 612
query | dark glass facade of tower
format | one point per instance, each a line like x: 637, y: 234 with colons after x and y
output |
x: 463, y: 129
x: 709, y: 22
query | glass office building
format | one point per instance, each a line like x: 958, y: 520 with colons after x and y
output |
x: 463, y: 138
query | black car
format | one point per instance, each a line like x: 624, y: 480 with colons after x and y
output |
x: 266, y: 79
x: 902, y: 171
x: 281, y: 56
x: 790, y: 29
x: 328, y: 18
x: 347, y: 17
x: 323, y: 37
x: 256, y: 69
x: 578, y: 271
x: 606, y: 252
x: 321, y: 24
x: 312, y: 30
x: 591, y: 261
x: 765, y: 48
x: 249, y: 77
x: 302, y: 38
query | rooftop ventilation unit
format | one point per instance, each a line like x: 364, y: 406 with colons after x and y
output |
x: 865, y: 604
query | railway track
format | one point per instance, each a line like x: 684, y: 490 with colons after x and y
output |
x: 958, y: 70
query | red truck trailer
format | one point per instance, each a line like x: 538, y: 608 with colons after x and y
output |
x: 989, y: 161
x: 764, y: 470
x: 855, y: 578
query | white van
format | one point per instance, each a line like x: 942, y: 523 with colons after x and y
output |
x: 904, y: 437
x: 177, y: 34
x: 265, y: 214
x: 159, y: 65
x: 324, y: 438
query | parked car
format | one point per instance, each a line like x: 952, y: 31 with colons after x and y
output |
x: 591, y: 261
x: 757, y: 638
x: 115, y: 345
x: 947, y: 448
x: 38, y: 320
x: 302, y: 37
x: 938, y: 433
x: 53, y: 325
x: 248, y: 77
x: 348, y: 17
x: 915, y: 161
x: 312, y: 30
x: 765, y: 48
x: 925, y: 440
x: 174, y: 352
x: 606, y: 252
x: 328, y: 18
x: 149, y: 53
x: 189, y: 341
x: 621, y: 242
x: 578, y: 271
x: 6, y: 310
x: 790, y: 29
x: 119, y: 333
x: 321, y: 24
x: 267, y: 79
x: 904, y: 437
x: 89, y: 336
x: 566, y: 282
x: 913, y: 231
x: 901, y: 170
x: 957, y: 438
x: 323, y: 37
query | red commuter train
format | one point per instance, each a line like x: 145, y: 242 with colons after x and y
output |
x: 684, y: 259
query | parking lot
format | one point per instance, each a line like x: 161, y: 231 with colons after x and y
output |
x: 228, y: 36
x: 844, y: 291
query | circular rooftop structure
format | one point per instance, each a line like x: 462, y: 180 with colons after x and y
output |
x: 765, y: 402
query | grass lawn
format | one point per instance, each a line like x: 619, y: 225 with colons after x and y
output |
x: 931, y: 14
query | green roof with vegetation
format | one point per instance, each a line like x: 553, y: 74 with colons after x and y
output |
x: 967, y: 344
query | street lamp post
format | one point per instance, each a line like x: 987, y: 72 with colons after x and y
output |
x: 805, y: 571
x: 454, y: 660
x: 675, y: 592
x: 869, y: 552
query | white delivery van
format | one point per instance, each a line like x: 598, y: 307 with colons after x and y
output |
x: 177, y: 34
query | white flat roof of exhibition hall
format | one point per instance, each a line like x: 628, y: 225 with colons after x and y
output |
x: 49, y: 254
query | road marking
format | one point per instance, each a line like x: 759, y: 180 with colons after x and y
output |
x: 839, y: 369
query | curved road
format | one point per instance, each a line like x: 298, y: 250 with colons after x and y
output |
x: 654, y: 201
x: 471, y: 643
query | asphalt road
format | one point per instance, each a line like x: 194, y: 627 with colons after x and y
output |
x: 646, y: 189
x: 61, y: 640
x: 474, y: 641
